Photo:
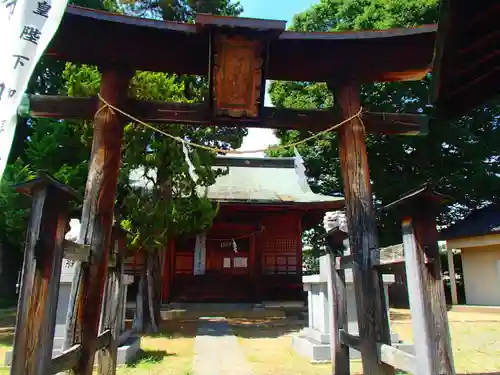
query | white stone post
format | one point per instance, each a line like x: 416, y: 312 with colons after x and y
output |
x: 453, y: 279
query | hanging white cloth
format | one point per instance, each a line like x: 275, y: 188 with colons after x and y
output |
x: 26, y: 28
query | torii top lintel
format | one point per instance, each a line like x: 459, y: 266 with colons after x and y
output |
x: 173, y: 47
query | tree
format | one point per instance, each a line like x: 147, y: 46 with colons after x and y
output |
x: 62, y: 147
x: 173, y: 201
x: 181, y: 10
x: 171, y: 205
x: 461, y: 157
x: 55, y: 146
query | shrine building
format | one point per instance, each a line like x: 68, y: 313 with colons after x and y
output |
x: 253, y: 251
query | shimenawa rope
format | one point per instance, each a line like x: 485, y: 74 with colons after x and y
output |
x: 220, y: 150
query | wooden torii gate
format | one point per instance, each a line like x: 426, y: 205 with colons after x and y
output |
x: 238, y: 55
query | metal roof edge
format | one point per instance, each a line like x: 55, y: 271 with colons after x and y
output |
x: 254, y: 162
x: 102, y: 15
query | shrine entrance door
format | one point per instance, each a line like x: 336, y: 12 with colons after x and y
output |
x: 227, y: 276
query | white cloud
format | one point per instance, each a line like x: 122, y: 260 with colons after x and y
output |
x: 259, y: 138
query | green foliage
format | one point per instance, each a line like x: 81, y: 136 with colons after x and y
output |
x: 181, y: 10
x: 461, y: 156
x: 63, y: 147
x: 172, y: 204
x: 14, y: 207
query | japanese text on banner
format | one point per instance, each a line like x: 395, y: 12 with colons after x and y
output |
x: 26, y: 26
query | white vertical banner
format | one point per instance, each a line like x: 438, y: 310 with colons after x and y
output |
x: 200, y: 254
x: 26, y: 28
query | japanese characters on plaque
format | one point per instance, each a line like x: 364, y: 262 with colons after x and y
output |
x: 26, y: 26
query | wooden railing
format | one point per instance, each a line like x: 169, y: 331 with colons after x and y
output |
x: 433, y: 354
x: 44, y: 253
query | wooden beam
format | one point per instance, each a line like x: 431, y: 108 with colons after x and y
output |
x: 124, y: 336
x: 97, y: 220
x: 351, y: 341
x: 369, y: 292
x: 112, y: 311
x: 65, y: 361
x: 343, y: 262
x: 43, y: 254
x: 397, y: 358
x: 103, y: 339
x: 76, y: 252
x: 425, y: 285
x: 396, y: 123
x: 338, y: 318
x: 70, y: 108
x: 427, y: 301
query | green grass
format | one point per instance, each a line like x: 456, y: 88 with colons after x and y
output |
x: 267, y: 346
x: 168, y: 353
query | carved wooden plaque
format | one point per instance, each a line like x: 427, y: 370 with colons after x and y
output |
x: 237, y: 76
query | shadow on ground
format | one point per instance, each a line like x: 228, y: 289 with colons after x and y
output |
x: 175, y: 328
x: 150, y: 356
x: 264, y: 328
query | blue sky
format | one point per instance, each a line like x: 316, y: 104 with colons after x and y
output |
x: 275, y: 9
x: 270, y: 9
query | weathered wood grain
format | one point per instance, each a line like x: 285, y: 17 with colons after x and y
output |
x: 351, y: 341
x: 43, y: 256
x: 236, y: 85
x: 103, y: 339
x: 200, y: 114
x: 97, y: 220
x: 426, y: 293
x: 76, y: 252
x: 370, y: 304
x: 65, y: 361
x: 112, y: 311
x: 397, y: 358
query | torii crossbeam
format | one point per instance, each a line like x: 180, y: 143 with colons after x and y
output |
x: 237, y: 55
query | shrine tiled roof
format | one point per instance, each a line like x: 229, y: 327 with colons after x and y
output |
x: 274, y: 181
x: 265, y: 180
x: 478, y: 223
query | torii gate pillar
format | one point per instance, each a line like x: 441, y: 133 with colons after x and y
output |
x: 370, y: 304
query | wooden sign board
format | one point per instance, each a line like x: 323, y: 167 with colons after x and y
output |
x: 237, y: 85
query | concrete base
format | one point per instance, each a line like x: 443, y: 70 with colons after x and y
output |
x: 126, y: 353
x: 310, y: 347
